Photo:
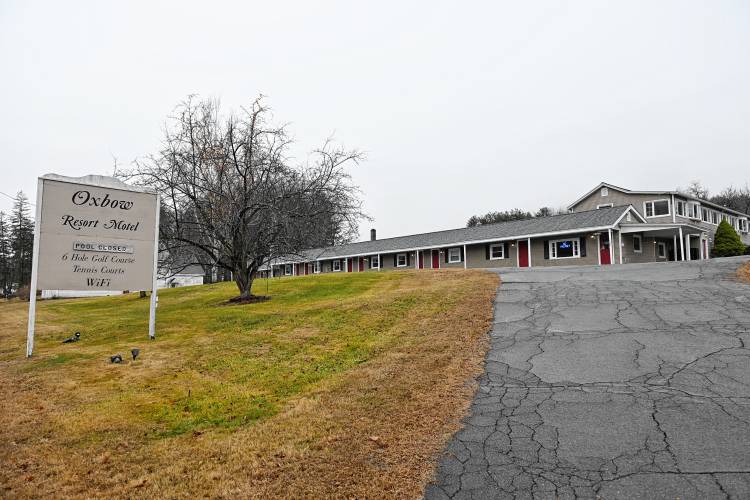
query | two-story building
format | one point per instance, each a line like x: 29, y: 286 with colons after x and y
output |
x: 608, y: 225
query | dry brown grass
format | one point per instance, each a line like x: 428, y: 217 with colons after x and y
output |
x: 371, y: 431
x: 744, y: 272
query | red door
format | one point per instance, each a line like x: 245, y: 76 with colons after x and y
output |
x: 348, y: 265
x: 435, y: 259
x: 604, y: 254
x: 361, y: 264
x: 421, y: 260
x: 523, y: 253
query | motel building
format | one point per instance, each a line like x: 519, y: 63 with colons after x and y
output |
x: 608, y: 225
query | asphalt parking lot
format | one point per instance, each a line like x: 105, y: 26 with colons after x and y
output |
x: 618, y: 382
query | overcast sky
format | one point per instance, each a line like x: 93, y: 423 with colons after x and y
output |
x: 462, y: 108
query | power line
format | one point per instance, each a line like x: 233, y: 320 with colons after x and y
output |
x: 14, y: 198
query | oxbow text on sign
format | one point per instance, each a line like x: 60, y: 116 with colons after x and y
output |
x: 84, y: 197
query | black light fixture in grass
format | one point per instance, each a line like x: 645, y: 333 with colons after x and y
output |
x: 74, y: 338
x: 117, y: 358
x: 135, y: 353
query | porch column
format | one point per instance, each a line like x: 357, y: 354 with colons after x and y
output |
x: 611, y: 248
x: 599, y: 247
x: 619, y: 237
x: 700, y: 247
x: 380, y: 263
x: 687, y: 245
x: 674, y: 247
x: 528, y: 247
x: 466, y: 257
x: 682, y: 245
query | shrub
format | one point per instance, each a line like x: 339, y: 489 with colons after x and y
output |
x: 727, y: 242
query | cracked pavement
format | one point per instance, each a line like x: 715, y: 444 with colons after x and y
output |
x: 617, y: 382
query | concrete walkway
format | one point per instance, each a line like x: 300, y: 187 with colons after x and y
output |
x: 622, y: 382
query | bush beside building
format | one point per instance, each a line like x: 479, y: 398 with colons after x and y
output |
x: 727, y: 242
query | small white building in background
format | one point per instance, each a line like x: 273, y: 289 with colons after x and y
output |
x: 192, y: 275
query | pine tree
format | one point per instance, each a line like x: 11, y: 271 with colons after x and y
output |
x: 727, y: 242
x: 5, y: 257
x: 21, y: 241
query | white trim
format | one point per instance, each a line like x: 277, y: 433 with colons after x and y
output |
x: 450, y: 258
x: 653, y: 208
x: 682, y: 245
x: 674, y: 247
x: 630, y: 210
x: 154, y: 303
x: 576, y: 248
x: 619, y: 240
x: 611, y: 249
x: 333, y: 267
x: 398, y: 256
x: 528, y: 250
x: 640, y: 243
x: 34, y: 269
x: 502, y: 248
x: 599, y: 247
x: 372, y: 258
x: 466, y: 260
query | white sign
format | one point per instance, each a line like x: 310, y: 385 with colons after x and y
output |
x: 93, y: 233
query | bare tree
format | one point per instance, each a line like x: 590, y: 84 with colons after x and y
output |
x: 695, y: 188
x: 231, y: 198
x: 734, y: 198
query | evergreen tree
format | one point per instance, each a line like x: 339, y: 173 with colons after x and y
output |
x: 5, y: 257
x: 727, y: 242
x: 21, y: 241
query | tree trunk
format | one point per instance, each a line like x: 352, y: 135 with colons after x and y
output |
x: 244, y: 279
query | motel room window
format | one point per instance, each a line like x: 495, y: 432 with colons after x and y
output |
x: 661, y: 250
x: 375, y: 262
x: 454, y: 255
x: 288, y: 270
x: 401, y: 260
x: 637, y: 243
x: 680, y: 207
x: 565, y: 249
x: 497, y: 251
x: 656, y: 208
x: 336, y: 266
x: 316, y: 267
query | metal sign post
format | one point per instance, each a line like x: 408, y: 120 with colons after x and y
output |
x: 94, y: 233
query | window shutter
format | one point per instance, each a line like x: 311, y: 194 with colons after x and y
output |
x: 461, y: 253
x: 395, y: 260
x: 487, y: 252
x: 583, y: 246
x: 505, y: 250
x: 546, y: 249
x: 445, y: 252
x: 408, y: 259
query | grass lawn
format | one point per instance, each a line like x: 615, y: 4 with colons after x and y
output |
x: 339, y: 386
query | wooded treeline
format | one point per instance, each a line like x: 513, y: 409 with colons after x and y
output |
x: 16, y: 246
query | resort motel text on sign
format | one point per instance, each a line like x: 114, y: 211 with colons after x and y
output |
x: 94, y: 233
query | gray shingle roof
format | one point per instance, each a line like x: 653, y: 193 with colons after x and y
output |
x: 579, y: 221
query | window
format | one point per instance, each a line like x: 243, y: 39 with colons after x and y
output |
x: 316, y: 267
x: 661, y: 250
x: 497, y: 251
x: 375, y: 262
x: 565, y: 249
x: 714, y: 217
x: 288, y: 270
x: 401, y: 260
x: 605, y: 192
x: 454, y: 255
x: 693, y: 210
x: 604, y: 205
x: 680, y: 207
x: 637, y: 243
x: 656, y: 208
x: 336, y: 266
x: 743, y: 225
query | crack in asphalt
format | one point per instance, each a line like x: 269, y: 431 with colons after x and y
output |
x: 610, y: 388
